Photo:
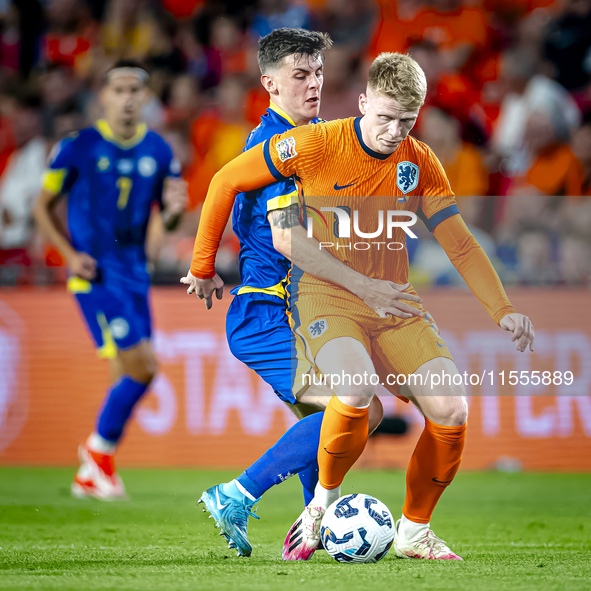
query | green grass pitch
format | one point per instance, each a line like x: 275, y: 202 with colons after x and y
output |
x: 517, y: 532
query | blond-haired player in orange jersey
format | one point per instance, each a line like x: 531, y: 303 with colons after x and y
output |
x: 370, y: 165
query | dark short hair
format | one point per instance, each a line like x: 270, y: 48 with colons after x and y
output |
x: 126, y: 64
x: 290, y: 41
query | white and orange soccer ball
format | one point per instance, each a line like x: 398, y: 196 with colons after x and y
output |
x: 357, y: 528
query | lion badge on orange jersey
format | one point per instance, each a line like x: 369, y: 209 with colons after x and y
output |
x: 407, y: 177
x: 286, y: 149
x: 318, y: 328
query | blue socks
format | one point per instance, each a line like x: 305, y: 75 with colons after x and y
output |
x: 117, y: 406
x: 235, y: 490
x: 309, y: 480
x: 295, y: 453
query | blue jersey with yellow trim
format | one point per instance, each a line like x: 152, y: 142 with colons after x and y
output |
x: 262, y: 268
x: 111, y: 186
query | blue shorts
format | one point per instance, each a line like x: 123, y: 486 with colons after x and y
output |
x: 116, y: 319
x: 259, y: 335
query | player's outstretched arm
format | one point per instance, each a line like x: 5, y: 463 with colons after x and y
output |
x: 292, y: 241
x: 174, y: 200
x: 247, y: 172
x: 80, y: 264
x: 477, y: 271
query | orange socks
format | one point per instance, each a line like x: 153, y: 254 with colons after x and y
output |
x: 433, y: 465
x: 342, y: 440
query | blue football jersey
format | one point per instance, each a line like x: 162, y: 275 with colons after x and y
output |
x: 111, y: 187
x: 262, y: 268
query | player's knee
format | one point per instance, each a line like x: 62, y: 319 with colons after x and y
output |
x: 355, y: 401
x: 356, y: 396
x: 453, y: 413
x: 376, y: 414
x: 458, y: 416
x: 149, y: 368
x: 143, y: 367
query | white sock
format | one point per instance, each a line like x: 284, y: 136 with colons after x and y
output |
x: 324, y: 497
x: 101, y: 445
x: 409, y: 530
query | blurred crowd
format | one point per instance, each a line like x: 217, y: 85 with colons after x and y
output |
x: 508, y: 112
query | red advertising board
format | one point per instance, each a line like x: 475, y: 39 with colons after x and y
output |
x: 207, y: 409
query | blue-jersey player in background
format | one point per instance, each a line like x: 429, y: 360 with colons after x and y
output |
x: 291, y: 63
x: 115, y: 175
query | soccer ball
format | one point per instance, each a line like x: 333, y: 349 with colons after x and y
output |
x: 357, y: 528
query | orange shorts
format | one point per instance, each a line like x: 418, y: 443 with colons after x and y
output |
x: 395, y: 345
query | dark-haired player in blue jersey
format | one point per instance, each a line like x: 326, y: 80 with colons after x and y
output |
x: 291, y: 62
x: 115, y: 175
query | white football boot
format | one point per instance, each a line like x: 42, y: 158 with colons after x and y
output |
x: 424, y: 545
x: 97, y: 477
x: 303, y: 537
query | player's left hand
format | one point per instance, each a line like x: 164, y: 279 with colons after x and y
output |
x: 175, y: 196
x: 204, y: 288
x: 522, y: 329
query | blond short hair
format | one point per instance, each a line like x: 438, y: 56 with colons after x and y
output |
x: 398, y: 76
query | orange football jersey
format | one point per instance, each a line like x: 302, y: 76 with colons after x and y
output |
x: 336, y: 169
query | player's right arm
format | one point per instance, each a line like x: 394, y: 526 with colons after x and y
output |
x: 249, y: 171
x: 55, y: 179
x: 467, y: 256
x: 298, y: 151
x: 291, y: 240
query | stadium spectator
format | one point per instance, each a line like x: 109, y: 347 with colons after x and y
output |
x: 257, y: 99
x: 348, y: 22
x: 183, y: 102
x: 10, y: 42
x: 274, y: 14
x: 527, y: 91
x: 568, y: 46
x: 462, y: 161
x: 553, y: 168
x: 460, y: 31
x: 182, y: 9
x: 31, y: 22
x: 19, y: 186
x: 60, y: 87
x: 128, y: 29
x: 393, y: 26
x: 536, y: 263
x: 342, y: 84
x: 575, y: 251
x: 218, y: 135
x: 166, y: 54
x: 582, y: 150
x: 71, y: 34
x: 8, y: 103
x: 496, y: 71
x: 575, y: 258
x: 228, y: 41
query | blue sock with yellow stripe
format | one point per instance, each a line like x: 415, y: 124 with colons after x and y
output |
x: 295, y: 453
x: 117, y: 406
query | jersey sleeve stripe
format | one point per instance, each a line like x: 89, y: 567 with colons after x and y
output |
x: 272, y: 168
x: 53, y: 180
x: 282, y: 201
x: 78, y: 285
x: 441, y: 215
